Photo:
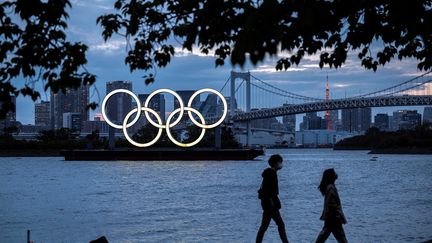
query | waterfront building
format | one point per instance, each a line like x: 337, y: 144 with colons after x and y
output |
x: 10, y: 119
x: 208, y: 108
x: 72, y: 120
x: 406, y: 119
x: 73, y: 101
x: 334, y: 119
x: 381, y: 121
x: 320, y: 138
x: 96, y: 125
x: 185, y: 96
x: 289, y: 121
x: 266, y: 123
x: 427, y: 114
x: 119, y: 104
x: 11, y: 115
x: 42, y: 116
x: 157, y: 103
x: 259, y: 138
x: 311, y: 121
x: 357, y: 119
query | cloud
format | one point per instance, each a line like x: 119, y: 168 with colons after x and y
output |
x: 425, y: 89
x: 98, y: 4
x: 272, y: 69
x: 181, y: 52
x: 310, y: 65
x: 108, y: 47
x: 340, y: 85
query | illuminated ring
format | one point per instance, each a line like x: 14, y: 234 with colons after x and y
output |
x: 164, y: 91
x: 109, y: 96
x: 167, y: 128
x: 224, y: 105
x: 142, y: 144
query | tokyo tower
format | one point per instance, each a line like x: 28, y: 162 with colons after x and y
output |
x: 327, y: 113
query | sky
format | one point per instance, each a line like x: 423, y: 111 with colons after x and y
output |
x: 192, y: 70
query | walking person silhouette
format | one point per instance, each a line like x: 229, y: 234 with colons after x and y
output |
x: 270, y: 203
x: 332, y: 214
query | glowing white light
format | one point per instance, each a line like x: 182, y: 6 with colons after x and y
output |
x: 109, y: 96
x: 159, y: 123
x: 147, y: 101
x: 158, y: 135
x: 224, y: 105
x: 167, y: 129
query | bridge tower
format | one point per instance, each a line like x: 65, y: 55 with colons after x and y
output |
x: 246, y: 77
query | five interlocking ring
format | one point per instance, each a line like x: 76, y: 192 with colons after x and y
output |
x: 159, y: 124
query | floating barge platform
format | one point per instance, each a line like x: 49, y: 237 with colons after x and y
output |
x: 162, y: 154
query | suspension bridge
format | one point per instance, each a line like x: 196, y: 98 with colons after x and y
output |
x: 257, y: 99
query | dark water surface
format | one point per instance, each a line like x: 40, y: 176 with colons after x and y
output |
x: 388, y: 200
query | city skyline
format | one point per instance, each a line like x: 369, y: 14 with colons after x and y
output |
x: 342, y: 120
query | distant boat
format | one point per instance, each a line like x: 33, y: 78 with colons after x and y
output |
x: 375, y: 158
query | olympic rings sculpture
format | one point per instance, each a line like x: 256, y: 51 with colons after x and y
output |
x: 159, y: 124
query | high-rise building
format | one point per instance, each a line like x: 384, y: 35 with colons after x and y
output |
x: 11, y: 115
x: 10, y: 119
x: 209, y: 107
x: 98, y: 124
x: 120, y: 104
x: 357, y: 119
x: 185, y: 96
x: 427, y: 114
x: 314, y: 121
x: 266, y: 123
x: 391, y: 123
x: 365, y: 118
x: 311, y: 121
x: 228, y: 101
x: 334, y: 118
x: 72, y: 120
x: 382, y: 122
x: 289, y: 123
x: 406, y: 119
x: 74, y: 101
x: 42, y: 116
x: 157, y: 103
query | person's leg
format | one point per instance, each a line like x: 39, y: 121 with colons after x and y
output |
x: 339, y: 233
x: 266, y: 217
x: 281, y: 226
x: 324, y: 234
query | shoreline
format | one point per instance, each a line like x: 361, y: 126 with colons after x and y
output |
x: 30, y: 153
x: 402, y: 150
x: 57, y: 153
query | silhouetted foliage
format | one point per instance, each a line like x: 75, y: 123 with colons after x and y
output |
x: 253, y: 30
x: 94, y: 135
x: 421, y: 137
x: 34, y: 47
x: 227, y: 137
x: 148, y: 132
x: 60, y: 134
x: 11, y: 130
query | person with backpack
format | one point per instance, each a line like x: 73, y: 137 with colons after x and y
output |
x: 270, y: 203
